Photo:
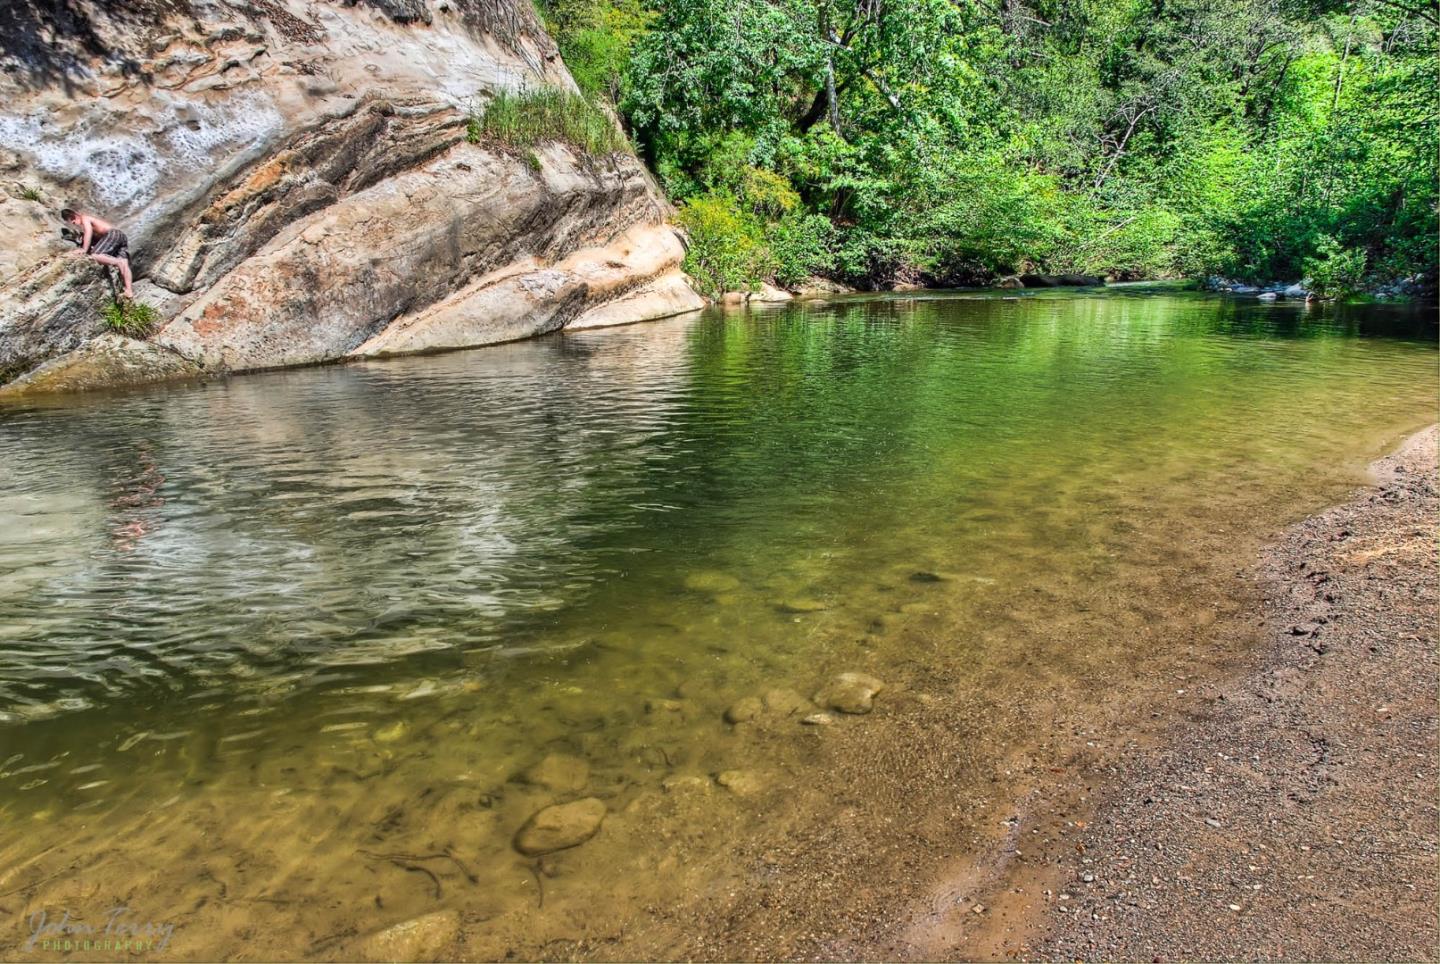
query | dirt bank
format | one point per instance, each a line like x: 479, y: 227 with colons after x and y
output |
x: 1296, y: 819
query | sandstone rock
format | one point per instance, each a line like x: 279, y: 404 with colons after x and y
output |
x: 560, y: 827
x: 768, y: 293
x: 559, y: 772
x: 850, y: 693
x: 306, y: 192
x: 424, y: 938
x: 742, y: 710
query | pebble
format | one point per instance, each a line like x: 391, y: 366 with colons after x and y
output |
x: 560, y: 826
x: 1212, y: 822
x: 663, y: 706
x: 560, y: 772
x: 850, y: 693
x: 421, y: 938
x: 742, y: 710
x: 819, y: 719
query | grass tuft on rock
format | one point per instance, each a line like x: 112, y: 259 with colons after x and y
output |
x: 135, y: 319
x: 532, y: 117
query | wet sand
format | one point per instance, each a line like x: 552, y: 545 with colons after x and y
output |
x: 1290, y: 812
x: 1297, y: 819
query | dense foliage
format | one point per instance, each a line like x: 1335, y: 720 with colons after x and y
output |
x: 949, y: 141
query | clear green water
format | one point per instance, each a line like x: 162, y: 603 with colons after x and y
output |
x: 255, y: 630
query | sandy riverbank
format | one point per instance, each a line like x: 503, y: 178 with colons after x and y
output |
x: 1296, y: 819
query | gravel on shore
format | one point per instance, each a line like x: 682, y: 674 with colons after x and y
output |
x: 1297, y: 818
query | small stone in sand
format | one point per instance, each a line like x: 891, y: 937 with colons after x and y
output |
x: 560, y: 772
x: 418, y: 939
x: 850, y: 693
x: 742, y: 710
x: 663, y: 706
x: 819, y: 719
x: 559, y: 827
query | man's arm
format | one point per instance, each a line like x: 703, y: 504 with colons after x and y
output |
x: 89, y: 233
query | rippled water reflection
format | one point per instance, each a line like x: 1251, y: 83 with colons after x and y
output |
x: 276, y: 605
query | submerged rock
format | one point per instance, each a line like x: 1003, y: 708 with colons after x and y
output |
x: 742, y: 783
x: 560, y: 827
x: 664, y: 706
x: 393, y: 733
x: 801, y: 604
x: 786, y: 702
x: 685, y: 783
x: 850, y: 693
x: 422, y: 938
x: 560, y: 772
x: 742, y: 710
x: 929, y: 575
x: 710, y: 580
x: 818, y: 719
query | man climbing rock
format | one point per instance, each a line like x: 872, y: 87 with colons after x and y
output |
x: 102, y: 241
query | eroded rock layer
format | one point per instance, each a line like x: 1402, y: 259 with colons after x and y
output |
x: 298, y: 187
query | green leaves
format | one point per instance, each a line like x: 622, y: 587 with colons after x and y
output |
x: 951, y: 140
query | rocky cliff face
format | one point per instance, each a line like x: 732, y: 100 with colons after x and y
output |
x: 297, y: 185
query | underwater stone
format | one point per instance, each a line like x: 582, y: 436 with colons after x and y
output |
x: 742, y: 783
x: 742, y: 710
x: 850, y: 693
x: 560, y: 827
x: 801, y: 605
x: 560, y: 772
x: 710, y: 580
x: 421, y: 938
x: 786, y: 702
x: 393, y: 733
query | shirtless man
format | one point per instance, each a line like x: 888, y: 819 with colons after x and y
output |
x: 102, y: 241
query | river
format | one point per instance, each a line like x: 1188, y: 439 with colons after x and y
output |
x: 279, y: 653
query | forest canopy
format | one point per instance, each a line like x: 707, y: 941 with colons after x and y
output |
x: 951, y: 141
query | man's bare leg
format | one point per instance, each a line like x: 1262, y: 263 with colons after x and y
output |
x: 124, y: 266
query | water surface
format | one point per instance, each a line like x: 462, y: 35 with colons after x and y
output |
x: 268, y: 645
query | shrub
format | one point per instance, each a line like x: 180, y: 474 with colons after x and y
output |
x: 29, y: 193
x: 532, y: 117
x: 135, y: 319
x: 726, y: 251
x: 801, y: 245
x: 1337, y: 272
